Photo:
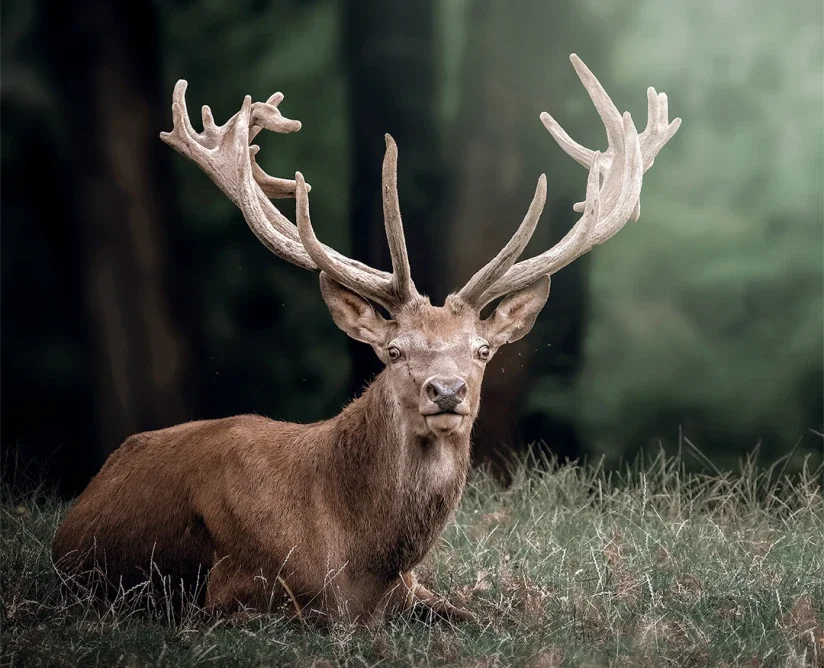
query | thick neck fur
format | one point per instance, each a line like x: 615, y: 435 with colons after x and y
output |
x: 392, y: 488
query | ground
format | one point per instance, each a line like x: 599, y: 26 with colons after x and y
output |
x: 652, y: 566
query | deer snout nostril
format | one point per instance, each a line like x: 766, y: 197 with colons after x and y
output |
x: 446, y: 393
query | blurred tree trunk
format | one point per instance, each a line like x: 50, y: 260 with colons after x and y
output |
x: 392, y: 60
x: 104, y: 59
x: 516, y: 65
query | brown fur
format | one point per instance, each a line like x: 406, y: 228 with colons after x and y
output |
x: 334, y: 515
x: 329, y: 517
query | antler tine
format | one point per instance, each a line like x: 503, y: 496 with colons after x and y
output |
x: 268, y: 116
x: 380, y: 290
x: 472, y: 292
x: 249, y: 200
x: 613, y: 186
x: 659, y: 130
x: 606, y: 108
x: 391, y: 291
x: 402, y: 285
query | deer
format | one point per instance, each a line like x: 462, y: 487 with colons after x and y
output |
x: 329, y: 520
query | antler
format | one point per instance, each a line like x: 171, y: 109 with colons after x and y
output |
x: 224, y: 154
x: 612, y: 195
x: 392, y: 292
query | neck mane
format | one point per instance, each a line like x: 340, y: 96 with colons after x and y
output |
x: 381, y: 473
x: 378, y: 426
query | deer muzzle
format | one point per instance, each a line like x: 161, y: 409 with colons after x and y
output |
x: 444, y: 395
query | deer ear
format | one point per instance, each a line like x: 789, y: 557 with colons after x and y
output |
x: 352, y: 313
x: 516, y: 314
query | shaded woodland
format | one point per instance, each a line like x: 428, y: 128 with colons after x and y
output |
x: 135, y: 297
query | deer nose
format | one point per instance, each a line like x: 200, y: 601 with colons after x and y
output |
x: 445, y: 392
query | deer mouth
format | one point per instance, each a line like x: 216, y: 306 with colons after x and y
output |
x: 445, y: 422
x: 460, y: 411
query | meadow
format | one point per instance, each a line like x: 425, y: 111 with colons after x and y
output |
x: 570, y: 565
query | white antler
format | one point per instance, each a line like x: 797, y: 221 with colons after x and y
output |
x: 612, y: 197
x: 223, y: 152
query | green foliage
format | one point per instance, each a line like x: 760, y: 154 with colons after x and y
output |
x: 651, y: 566
x: 708, y: 312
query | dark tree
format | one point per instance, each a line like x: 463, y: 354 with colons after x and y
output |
x: 103, y: 59
x: 515, y: 64
x: 393, y: 73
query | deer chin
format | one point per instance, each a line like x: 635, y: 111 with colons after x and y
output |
x: 444, y: 423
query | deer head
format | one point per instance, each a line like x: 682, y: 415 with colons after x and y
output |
x: 365, y: 494
x: 434, y: 355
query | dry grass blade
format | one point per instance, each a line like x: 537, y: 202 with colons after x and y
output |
x: 649, y: 566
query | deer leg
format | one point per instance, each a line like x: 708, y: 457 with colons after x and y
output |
x: 409, y: 595
x: 223, y: 593
x: 232, y: 589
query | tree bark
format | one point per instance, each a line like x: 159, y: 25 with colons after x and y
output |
x: 104, y: 59
x: 392, y: 65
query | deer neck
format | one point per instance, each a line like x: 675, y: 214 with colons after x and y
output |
x: 382, y: 461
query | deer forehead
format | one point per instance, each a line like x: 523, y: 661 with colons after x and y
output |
x: 436, y: 344
x: 436, y: 329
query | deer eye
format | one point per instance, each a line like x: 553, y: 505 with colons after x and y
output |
x: 483, y: 353
x: 394, y: 353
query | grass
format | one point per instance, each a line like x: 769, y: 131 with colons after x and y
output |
x: 652, y: 566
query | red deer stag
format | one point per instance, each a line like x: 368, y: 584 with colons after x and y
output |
x: 331, y: 517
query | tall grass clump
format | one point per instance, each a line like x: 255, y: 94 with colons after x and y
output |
x: 649, y: 565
